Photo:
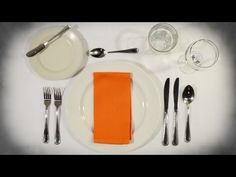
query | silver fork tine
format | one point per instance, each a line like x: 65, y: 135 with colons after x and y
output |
x: 48, y: 93
x: 55, y: 93
x: 59, y: 93
x: 54, y: 90
x: 44, y: 93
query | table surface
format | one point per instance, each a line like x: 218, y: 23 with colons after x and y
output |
x: 211, y: 114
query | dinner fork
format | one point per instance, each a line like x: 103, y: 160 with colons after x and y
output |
x: 47, y: 102
x: 57, y: 103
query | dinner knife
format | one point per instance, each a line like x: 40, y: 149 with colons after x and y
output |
x: 175, y: 141
x: 44, y: 45
x: 165, y: 140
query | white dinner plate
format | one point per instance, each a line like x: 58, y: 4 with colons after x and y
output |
x: 63, y: 58
x: 147, y: 108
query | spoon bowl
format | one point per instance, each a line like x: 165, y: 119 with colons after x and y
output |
x: 188, y: 94
x: 98, y: 52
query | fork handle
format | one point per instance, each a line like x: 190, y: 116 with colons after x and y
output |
x: 46, y: 132
x: 57, y: 133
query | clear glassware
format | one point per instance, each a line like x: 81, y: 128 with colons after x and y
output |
x: 162, y: 37
x: 200, y: 55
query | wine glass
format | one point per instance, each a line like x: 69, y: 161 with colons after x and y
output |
x: 200, y: 55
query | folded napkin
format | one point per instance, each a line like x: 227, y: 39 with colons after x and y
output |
x: 112, y: 107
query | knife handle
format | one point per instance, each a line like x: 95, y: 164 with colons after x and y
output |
x: 175, y: 141
x: 165, y: 140
x: 56, y: 36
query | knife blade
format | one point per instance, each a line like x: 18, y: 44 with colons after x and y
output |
x: 176, y: 94
x: 165, y: 140
x: 44, y: 45
x: 166, y: 94
x: 36, y: 50
x: 175, y: 141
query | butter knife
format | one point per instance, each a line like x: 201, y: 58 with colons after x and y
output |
x: 165, y: 140
x: 44, y: 45
x: 175, y: 141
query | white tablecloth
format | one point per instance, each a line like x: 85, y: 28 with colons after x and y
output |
x: 212, y: 110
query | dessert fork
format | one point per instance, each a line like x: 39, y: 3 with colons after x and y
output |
x: 47, y: 102
x: 57, y: 103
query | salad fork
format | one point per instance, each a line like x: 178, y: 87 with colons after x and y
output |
x: 57, y: 103
x: 47, y: 102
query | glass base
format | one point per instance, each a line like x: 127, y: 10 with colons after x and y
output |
x: 184, y: 66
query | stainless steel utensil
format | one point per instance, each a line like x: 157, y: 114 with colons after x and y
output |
x: 175, y: 141
x: 165, y: 140
x: 47, y: 102
x: 100, y: 52
x: 188, y: 97
x: 57, y: 103
x: 44, y: 45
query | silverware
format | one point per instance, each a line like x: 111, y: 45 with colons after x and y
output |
x: 100, y: 52
x: 175, y: 141
x: 44, y: 45
x: 47, y: 102
x: 188, y: 97
x: 57, y: 103
x: 165, y: 140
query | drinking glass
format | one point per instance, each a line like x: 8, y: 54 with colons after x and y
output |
x: 200, y: 55
x: 162, y: 37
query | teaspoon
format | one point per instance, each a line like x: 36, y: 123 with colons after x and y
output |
x: 100, y: 52
x: 188, y: 97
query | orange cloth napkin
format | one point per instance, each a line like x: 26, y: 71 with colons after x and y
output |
x: 112, y: 107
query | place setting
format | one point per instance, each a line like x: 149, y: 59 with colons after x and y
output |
x: 115, y: 106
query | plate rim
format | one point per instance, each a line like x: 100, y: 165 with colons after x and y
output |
x: 155, y: 81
